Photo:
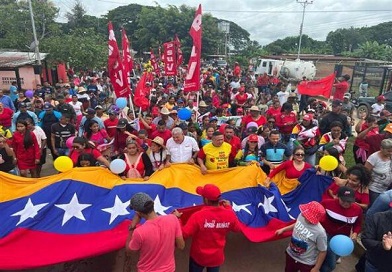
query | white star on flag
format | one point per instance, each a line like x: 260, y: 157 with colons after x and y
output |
x: 29, y: 211
x: 158, y: 207
x: 119, y: 208
x: 287, y: 209
x: 238, y: 208
x: 73, y: 209
x: 267, y: 205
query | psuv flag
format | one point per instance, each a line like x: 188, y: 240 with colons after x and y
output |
x: 85, y: 212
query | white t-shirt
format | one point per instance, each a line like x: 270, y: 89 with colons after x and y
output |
x: 381, y: 173
x: 40, y: 135
x: 282, y: 97
x: 181, y: 153
x: 77, y: 107
x: 376, y: 109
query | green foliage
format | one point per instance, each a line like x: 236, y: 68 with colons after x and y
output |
x: 290, y: 45
x: 371, y: 50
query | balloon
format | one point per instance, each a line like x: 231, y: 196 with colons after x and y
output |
x: 328, y: 163
x: 29, y: 93
x: 252, y: 124
x: 63, y: 164
x: 69, y: 142
x: 341, y: 245
x: 117, y: 166
x: 184, y: 114
x: 121, y: 102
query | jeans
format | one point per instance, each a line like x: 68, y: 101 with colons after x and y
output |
x: 329, y: 263
x: 372, y: 197
x: 62, y: 151
x: 195, y: 267
x: 370, y: 268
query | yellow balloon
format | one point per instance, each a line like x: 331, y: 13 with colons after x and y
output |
x: 63, y: 164
x: 328, y: 163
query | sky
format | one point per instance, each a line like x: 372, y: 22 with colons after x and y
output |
x: 268, y: 20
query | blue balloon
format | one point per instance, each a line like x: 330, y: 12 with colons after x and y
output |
x: 341, y: 245
x: 121, y: 102
x: 184, y: 114
x: 118, y: 166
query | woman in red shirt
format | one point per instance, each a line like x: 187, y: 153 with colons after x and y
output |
x: 138, y: 162
x: 286, y: 121
x: 361, y: 147
x: 293, y: 170
x: 27, y: 151
x: 5, y: 116
x: 80, y: 146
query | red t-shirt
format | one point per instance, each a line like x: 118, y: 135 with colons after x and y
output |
x: 149, y: 131
x: 208, y: 229
x: 74, y: 155
x: 5, y: 117
x: 235, y: 143
x: 361, y: 142
x: 248, y: 118
x: 291, y: 171
x: 111, y: 126
x: 340, y: 89
x: 272, y: 112
x: 281, y: 122
x: 361, y: 198
x: 166, y: 135
x: 241, y: 99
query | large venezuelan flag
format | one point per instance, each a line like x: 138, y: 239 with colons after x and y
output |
x: 84, y: 212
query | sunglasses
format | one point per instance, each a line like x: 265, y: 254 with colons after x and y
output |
x: 299, y: 154
x: 271, y: 121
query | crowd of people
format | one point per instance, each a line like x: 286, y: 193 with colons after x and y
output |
x: 236, y: 119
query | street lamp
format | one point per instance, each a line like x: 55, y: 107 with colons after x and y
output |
x: 303, y: 3
x: 225, y: 28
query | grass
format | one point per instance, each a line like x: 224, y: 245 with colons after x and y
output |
x: 349, y: 155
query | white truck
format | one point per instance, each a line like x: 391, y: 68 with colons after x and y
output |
x: 290, y: 70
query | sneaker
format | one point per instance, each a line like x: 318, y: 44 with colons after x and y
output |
x: 338, y: 261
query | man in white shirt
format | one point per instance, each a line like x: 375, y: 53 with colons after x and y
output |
x: 181, y: 149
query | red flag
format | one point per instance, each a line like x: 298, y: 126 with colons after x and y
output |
x: 318, y: 87
x: 117, y: 74
x: 180, y: 59
x: 170, y: 58
x: 142, y: 91
x: 127, y: 57
x: 154, y: 64
x: 192, y: 79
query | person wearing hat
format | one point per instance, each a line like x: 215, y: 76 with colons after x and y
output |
x: 253, y: 116
x: 347, y: 105
x: 164, y: 115
x: 153, y: 243
x: 111, y: 123
x: 208, y: 228
x: 334, y: 115
x: 157, y: 153
x: 252, y: 130
x: 100, y: 113
x: 344, y: 216
x: 250, y: 153
x: 307, y: 134
x: 65, y: 108
x: 83, y: 97
x: 293, y: 100
x: 22, y: 114
x: 308, y: 244
x: 124, y: 132
x: 341, y: 87
x: 84, y: 123
x: 378, y: 107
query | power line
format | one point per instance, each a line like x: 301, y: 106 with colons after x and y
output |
x: 294, y: 11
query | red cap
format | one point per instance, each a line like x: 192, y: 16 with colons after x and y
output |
x: 253, y: 138
x: 313, y: 211
x: 209, y: 191
x: 308, y: 117
x: 380, y: 98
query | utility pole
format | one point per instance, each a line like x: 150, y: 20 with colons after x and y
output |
x: 303, y: 3
x: 38, y: 57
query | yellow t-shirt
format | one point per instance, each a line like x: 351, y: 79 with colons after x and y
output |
x: 217, y: 157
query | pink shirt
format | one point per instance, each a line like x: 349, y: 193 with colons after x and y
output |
x: 155, y: 240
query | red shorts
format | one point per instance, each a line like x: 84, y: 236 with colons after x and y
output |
x: 295, y: 266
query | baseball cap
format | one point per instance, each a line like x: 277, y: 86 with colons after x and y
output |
x: 209, y: 191
x: 380, y: 98
x: 346, y: 194
x: 308, y: 117
x: 122, y: 123
x: 180, y: 101
x: 213, y: 118
x: 253, y: 138
x: 47, y: 106
x: 22, y: 105
x: 183, y: 126
x: 98, y: 107
x: 60, y: 96
x: 90, y: 111
x: 141, y: 201
x: 250, y: 130
x: 313, y: 211
x: 347, y: 95
x: 388, y: 128
x: 336, y: 102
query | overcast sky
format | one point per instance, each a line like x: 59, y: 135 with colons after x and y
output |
x: 269, y: 20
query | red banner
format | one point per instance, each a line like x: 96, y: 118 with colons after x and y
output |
x: 192, y: 80
x: 117, y: 74
x: 177, y: 43
x: 318, y: 87
x: 170, y: 58
x: 127, y: 57
x: 142, y: 91
x: 154, y: 64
